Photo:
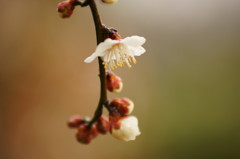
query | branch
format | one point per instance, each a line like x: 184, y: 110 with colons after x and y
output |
x: 102, y: 73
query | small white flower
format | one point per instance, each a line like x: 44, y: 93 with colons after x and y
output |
x: 117, y: 52
x: 128, y: 129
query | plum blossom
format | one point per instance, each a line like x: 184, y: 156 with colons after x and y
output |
x: 119, y: 52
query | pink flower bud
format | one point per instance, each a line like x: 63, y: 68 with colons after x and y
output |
x: 114, y: 83
x: 123, y: 106
x: 126, y: 128
x: 85, y: 134
x: 109, y: 1
x: 103, y: 125
x: 66, y: 8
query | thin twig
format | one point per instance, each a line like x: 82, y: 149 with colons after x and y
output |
x: 102, y: 73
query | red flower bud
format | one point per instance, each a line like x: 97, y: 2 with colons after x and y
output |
x: 66, y: 8
x: 85, y: 133
x: 103, y: 125
x: 114, y: 83
x: 75, y: 121
x: 123, y: 106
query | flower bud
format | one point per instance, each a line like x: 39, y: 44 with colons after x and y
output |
x: 111, y: 33
x: 103, y: 125
x: 109, y: 1
x: 114, y: 83
x: 127, y: 129
x: 75, y: 121
x: 123, y: 106
x: 85, y: 133
x: 66, y: 8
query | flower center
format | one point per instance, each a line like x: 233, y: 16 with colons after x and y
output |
x: 118, y: 55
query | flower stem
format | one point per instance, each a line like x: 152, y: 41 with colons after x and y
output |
x: 99, y: 34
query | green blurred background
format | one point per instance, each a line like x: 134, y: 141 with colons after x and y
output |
x: 185, y: 88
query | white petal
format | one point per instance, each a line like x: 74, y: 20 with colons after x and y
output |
x: 91, y: 58
x: 100, y: 50
x: 107, y: 44
x: 136, y: 51
x: 134, y: 41
x: 128, y: 129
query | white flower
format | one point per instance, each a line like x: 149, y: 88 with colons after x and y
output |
x: 128, y: 129
x: 117, y: 52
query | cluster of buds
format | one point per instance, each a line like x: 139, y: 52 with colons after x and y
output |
x: 122, y: 126
x: 119, y: 124
x: 86, y: 131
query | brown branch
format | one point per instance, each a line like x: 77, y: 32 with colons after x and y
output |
x: 99, y: 27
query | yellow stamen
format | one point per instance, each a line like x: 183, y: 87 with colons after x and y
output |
x: 118, y: 56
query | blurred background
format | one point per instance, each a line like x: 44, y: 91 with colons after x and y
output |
x: 185, y: 87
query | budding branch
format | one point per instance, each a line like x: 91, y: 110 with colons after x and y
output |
x: 99, y: 27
